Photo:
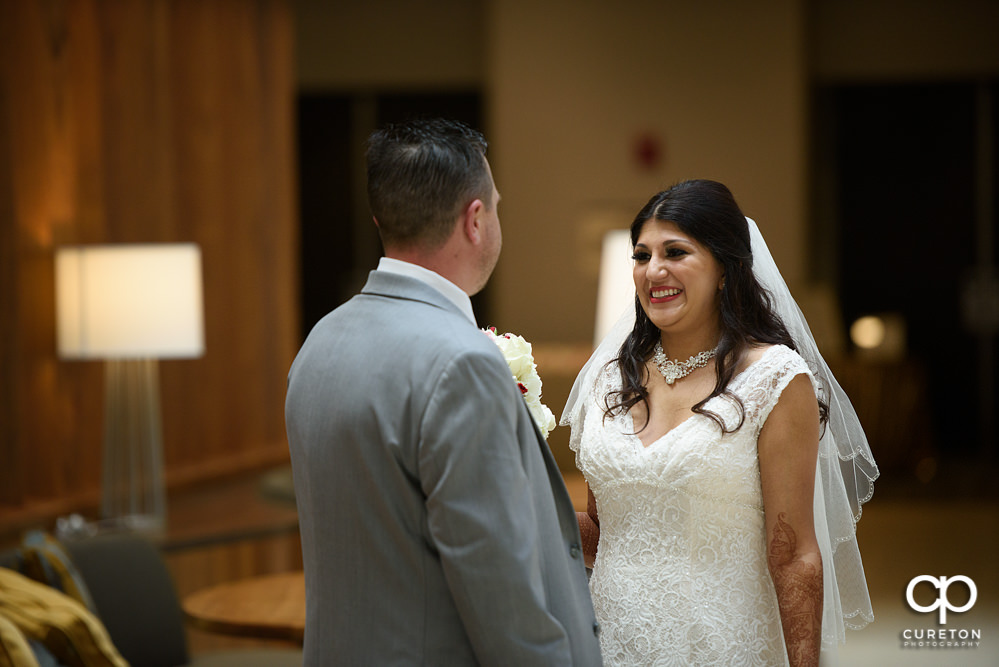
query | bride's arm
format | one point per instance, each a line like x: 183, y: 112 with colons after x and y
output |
x: 589, y: 528
x: 788, y: 447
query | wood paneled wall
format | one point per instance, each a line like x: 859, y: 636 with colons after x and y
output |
x: 145, y: 121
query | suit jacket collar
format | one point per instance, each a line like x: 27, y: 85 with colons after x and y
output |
x: 397, y: 286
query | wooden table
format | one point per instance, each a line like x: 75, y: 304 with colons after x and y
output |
x: 266, y: 607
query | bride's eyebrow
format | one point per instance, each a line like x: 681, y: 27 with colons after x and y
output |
x: 666, y: 243
x: 687, y: 243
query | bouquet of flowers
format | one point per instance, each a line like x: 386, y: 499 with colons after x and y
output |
x: 517, y: 353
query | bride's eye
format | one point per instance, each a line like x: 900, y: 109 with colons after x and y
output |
x: 640, y: 256
x: 675, y: 252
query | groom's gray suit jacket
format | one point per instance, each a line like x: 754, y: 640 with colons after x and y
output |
x: 436, y: 529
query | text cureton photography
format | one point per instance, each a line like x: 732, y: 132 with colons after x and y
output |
x: 935, y: 638
x: 941, y: 637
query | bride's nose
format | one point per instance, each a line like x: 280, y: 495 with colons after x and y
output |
x: 657, y: 269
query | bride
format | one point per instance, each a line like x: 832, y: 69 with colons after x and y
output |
x: 726, y: 468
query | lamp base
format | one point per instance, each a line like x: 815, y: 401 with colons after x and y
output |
x: 133, y: 496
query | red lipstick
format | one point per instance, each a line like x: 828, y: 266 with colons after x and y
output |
x: 674, y: 292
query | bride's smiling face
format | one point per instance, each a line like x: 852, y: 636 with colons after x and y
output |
x: 677, y: 279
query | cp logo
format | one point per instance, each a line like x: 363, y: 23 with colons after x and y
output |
x: 942, y: 603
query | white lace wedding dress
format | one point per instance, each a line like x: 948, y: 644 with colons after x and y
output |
x: 681, y: 574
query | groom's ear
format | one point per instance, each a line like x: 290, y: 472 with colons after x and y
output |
x: 470, y: 221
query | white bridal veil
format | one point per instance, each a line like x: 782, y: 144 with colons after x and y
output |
x: 845, y: 472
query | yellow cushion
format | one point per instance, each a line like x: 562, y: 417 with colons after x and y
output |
x: 46, y: 561
x: 67, y: 629
x: 14, y: 649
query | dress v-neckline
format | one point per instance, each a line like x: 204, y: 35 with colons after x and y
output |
x: 655, y: 442
x: 738, y: 378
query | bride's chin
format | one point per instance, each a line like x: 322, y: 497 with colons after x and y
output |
x: 662, y: 320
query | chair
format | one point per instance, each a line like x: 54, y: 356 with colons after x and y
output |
x: 136, y: 600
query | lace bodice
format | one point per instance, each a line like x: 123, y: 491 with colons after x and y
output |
x: 681, y: 575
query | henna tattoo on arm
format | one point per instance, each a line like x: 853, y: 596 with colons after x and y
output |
x: 798, y: 582
x: 589, y: 529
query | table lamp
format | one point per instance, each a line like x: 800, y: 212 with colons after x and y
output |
x: 131, y: 305
x: 616, y: 287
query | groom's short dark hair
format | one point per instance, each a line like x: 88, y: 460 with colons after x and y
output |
x: 421, y: 174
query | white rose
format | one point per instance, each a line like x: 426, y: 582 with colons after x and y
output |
x: 517, y: 353
x: 543, y: 417
x: 519, y: 358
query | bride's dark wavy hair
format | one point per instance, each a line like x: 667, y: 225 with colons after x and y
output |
x: 706, y: 211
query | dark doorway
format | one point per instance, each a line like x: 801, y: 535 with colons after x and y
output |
x: 902, y: 165
x: 339, y: 243
x: 325, y: 181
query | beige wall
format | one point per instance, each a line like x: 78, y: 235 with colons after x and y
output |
x: 573, y: 85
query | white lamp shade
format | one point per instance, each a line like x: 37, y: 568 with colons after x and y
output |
x: 129, y: 300
x: 616, y: 290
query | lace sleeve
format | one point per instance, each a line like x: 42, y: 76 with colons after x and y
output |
x: 776, y: 369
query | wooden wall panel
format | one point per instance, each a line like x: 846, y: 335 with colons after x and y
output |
x: 145, y: 121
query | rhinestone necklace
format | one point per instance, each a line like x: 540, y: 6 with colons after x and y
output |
x: 676, y: 370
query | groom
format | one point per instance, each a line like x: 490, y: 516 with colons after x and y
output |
x: 436, y: 529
